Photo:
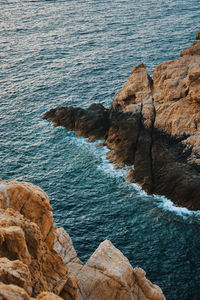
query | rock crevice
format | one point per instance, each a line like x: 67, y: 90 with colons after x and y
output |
x: 153, y: 124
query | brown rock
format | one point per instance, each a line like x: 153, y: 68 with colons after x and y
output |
x: 91, y: 123
x: 28, y: 266
x: 192, y: 50
x: 24, y: 242
x: 15, y: 272
x: 150, y: 291
x: 155, y: 125
x: 12, y: 292
x: 64, y: 247
x: 134, y: 90
x: 48, y: 296
x: 198, y: 35
x: 109, y: 275
x: 30, y: 201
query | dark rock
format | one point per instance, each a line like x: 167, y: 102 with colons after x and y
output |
x: 198, y: 35
x: 92, y: 123
x: 153, y: 125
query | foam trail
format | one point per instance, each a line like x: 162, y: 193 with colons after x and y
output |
x: 3, y: 188
x: 168, y: 205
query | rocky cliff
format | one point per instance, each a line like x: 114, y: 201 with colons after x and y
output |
x: 153, y: 124
x: 38, y: 259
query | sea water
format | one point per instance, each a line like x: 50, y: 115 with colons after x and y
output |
x: 56, y: 53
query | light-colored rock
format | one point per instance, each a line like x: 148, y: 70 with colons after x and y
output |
x: 108, y: 275
x: 177, y: 100
x: 15, y: 272
x: 12, y: 292
x: 64, y: 247
x: 150, y: 291
x: 24, y: 242
x: 30, y: 267
x: 48, y: 296
x: 30, y: 201
x: 13, y: 244
x: 137, y: 88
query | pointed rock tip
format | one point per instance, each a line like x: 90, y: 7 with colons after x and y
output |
x: 139, y: 66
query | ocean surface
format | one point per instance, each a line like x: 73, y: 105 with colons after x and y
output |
x: 56, y: 53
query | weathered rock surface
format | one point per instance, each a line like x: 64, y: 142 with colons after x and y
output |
x: 64, y: 247
x: 198, y: 35
x: 14, y: 292
x: 30, y: 201
x: 154, y: 124
x: 21, y: 240
x: 109, y: 275
x: 92, y: 123
x: 31, y: 267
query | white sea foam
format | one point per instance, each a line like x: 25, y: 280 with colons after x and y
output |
x: 3, y: 189
x: 109, y: 169
x: 168, y: 205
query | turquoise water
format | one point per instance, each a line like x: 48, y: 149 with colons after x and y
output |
x: 74, y: 53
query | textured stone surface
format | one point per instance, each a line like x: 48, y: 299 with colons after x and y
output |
x: 192, y: 50
x: 64, y: 247
x: 15, y: 272
x: 48, y: 296
x: 24, y: 242
x: 92, y: 123
x: 108, y: 275
x: 12, y: 292
x: 30, y: 201
x: 30, y: 267
x: 154, y: 124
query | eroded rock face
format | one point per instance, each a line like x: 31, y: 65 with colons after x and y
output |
x: 15, y: 272
x: 14, y: 292
x: 92, y: 123
x: 30, y: 201
x: 109, y: 275
x: 30, y: 267
x: 154, y: 124
x: 21, y: 240
x: 64, y: 247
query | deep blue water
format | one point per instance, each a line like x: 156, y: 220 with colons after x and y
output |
x: 74, y: 53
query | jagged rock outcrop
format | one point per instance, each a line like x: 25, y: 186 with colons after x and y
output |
x: 154, y: 124
x: 91, y: 123
x: 28, y: 257
x: 31, y: 267
x: 30, y: 201
x: 108, y: 267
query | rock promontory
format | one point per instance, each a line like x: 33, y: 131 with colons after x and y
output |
x: 153, y: 124
x: 38, y: 260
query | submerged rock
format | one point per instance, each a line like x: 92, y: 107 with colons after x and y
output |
x: 31, y: 266
x: 153, y: 124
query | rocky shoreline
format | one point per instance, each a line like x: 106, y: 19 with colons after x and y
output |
x: 153, y: 124
x: 38, y: 260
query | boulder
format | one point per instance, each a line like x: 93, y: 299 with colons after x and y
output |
x: 15, y: 272
x: 31, y: 201
x: 108, y: 275
x: 21, y: 240
x: 12, y: 292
